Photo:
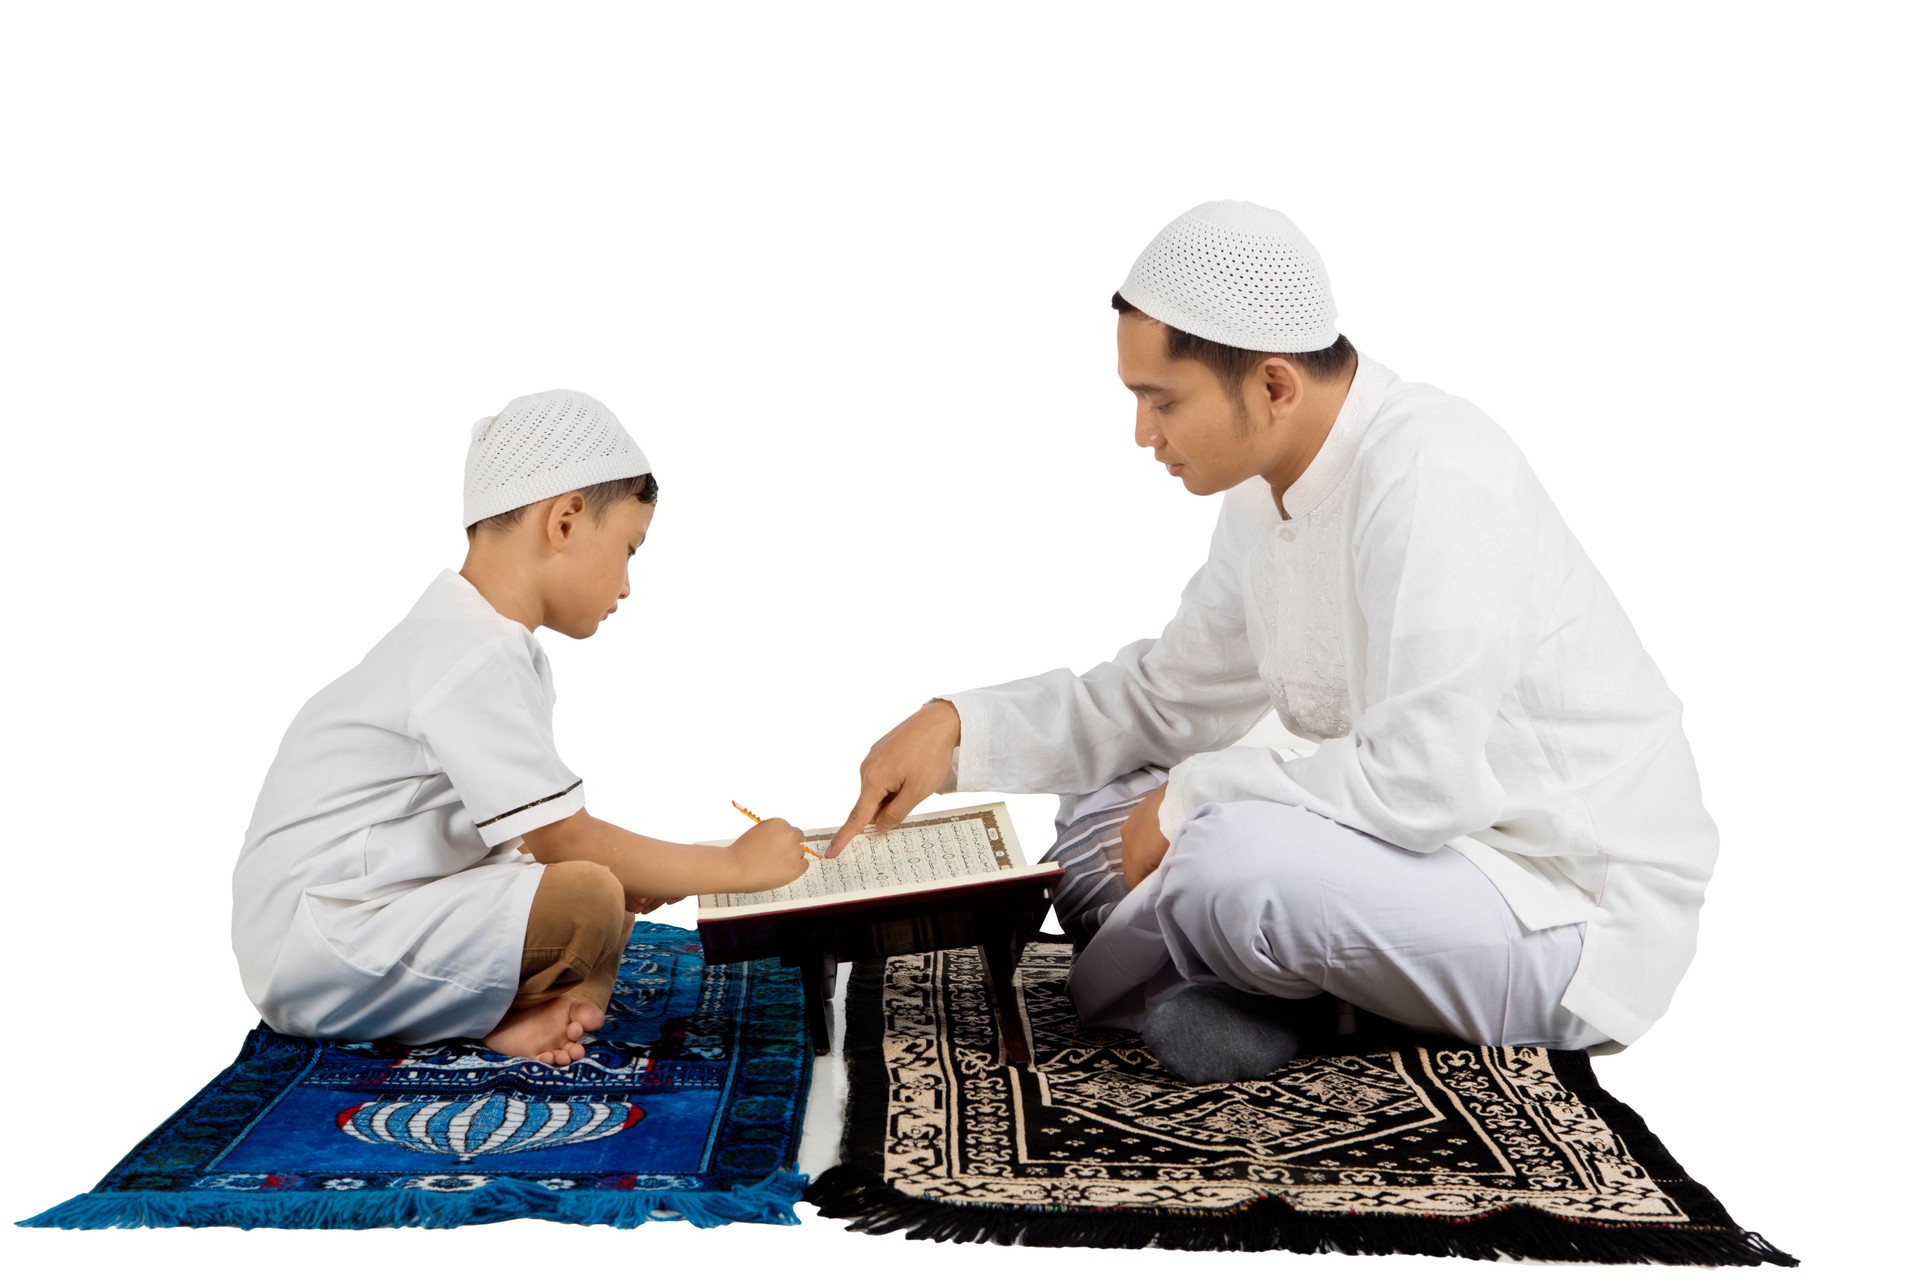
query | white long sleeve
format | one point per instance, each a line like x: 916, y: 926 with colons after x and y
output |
x: 1156, y: 702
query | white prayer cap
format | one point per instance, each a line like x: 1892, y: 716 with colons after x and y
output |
x: 1238, y: 274
x: 544, y: 445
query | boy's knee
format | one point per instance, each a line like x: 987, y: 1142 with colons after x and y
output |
x: 590, y: 897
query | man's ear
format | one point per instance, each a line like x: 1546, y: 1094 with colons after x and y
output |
x: 1284, y: 386
x: 563, y: 518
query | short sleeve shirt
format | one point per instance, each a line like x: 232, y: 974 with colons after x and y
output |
x: 380, y: 891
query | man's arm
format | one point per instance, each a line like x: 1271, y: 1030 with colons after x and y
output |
x: 1194, y: 688
x: 766, y: 857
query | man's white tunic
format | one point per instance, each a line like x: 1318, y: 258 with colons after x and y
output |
x: 1422, y: 612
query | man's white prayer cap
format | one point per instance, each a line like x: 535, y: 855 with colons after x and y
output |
x: 544, y: 445
x: 1238, y: 274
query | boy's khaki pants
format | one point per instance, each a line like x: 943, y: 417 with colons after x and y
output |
x: 576, y: 933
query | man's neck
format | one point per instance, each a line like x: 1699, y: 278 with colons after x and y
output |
x: 1319, y: 409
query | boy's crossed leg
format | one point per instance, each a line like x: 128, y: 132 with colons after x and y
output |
x: 576, y: 932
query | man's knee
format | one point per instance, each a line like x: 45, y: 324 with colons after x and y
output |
x: 1228, y: 851
x: 1242, y: 887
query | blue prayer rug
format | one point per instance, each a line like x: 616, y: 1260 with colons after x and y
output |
x: 688, y: 1105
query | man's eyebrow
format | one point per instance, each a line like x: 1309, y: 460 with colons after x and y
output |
x: 1145, y: 388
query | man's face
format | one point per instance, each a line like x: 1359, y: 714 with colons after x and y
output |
x: 1204, y: 435
x: 594, y: 579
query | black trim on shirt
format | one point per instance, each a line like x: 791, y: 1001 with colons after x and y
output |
x: 523, y: 808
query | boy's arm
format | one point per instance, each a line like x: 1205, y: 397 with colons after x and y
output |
x: 765, y: 857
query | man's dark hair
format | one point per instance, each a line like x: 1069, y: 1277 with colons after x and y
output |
x: 1232, y: 364
x: 599, y: 498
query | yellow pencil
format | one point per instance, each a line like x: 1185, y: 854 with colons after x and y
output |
x: 756, y: 818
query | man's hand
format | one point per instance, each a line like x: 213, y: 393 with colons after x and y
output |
x: 646, y: 906
x: 901, y: 770
x: 1141, y: 844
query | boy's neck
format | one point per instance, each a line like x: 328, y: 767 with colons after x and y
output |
x: 503, y: 582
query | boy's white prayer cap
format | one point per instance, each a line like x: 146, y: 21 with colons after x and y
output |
x: 1238, y: 274
x: 544, y: 445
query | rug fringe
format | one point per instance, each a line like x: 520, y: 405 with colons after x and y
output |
x: 869, y: 1205
x: 771, y: 1200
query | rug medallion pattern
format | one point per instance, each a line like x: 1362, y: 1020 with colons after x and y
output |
x: 687, y: 1104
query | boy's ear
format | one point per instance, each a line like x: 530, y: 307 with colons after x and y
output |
x: 563, y: 516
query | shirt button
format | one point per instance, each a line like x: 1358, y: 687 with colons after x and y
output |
x: 1286, y: 533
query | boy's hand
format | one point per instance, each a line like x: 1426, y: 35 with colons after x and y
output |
x: 769, y: 855
x: 1142, y: 847
x: 901, y: 770
x: 645, y: 906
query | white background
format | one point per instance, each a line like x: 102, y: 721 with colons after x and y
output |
x: 844, y: 273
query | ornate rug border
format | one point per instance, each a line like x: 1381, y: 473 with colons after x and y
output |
x: 273, y: 1063
x: 855, y: 1191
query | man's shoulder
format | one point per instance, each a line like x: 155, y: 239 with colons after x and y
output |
x: 1417, y: 426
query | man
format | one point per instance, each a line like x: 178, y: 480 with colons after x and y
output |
x: 1499, y: 835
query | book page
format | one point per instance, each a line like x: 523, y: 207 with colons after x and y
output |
x: 957, y: 845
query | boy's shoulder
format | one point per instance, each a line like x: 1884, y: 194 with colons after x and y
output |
x: 450, y: 637
x: 452, y: 629
x: 452, y: 611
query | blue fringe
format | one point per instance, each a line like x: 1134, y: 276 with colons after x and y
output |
x: 770, y: 1200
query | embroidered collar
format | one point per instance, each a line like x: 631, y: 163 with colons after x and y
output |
x: 1329, y: 466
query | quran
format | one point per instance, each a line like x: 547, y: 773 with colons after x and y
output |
x: 927, y: 854
x: 940, y: 880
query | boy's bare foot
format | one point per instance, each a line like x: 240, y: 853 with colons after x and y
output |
x: 549, y: 1032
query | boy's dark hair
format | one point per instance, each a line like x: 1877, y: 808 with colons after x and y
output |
x: 599, y: 498
x: 1232, y: 364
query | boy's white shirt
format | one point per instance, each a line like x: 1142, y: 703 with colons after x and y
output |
x: 380, y: 891
x: 1425, y: 616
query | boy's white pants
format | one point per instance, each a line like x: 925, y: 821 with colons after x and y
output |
x: 1273, y: 898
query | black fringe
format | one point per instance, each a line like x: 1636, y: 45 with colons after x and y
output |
x: 869, y: 1205
x: 854, y: 1191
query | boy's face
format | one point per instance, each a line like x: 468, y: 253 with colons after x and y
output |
x: 592, y: 571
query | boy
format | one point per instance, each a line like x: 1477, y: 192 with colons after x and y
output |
x: 421, y: 865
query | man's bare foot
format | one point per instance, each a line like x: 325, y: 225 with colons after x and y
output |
x: 549, y: 1032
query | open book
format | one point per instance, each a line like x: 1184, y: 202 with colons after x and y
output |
x: 924, y: 855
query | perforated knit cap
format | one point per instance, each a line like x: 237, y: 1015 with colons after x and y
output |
x: 1239, y: 274
x: 543, y: 445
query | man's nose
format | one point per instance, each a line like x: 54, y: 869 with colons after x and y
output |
x: 1145, y: 434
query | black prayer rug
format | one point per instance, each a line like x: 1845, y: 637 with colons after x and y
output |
x: 1421, y: 1148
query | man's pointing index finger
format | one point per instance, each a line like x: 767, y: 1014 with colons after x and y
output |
x: 857, y: 820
